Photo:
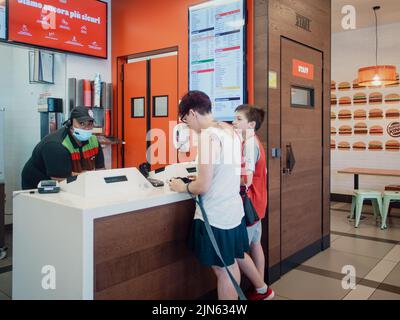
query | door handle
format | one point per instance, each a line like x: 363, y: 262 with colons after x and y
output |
x: 290, y: 160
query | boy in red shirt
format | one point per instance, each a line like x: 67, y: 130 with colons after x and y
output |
x: 248, y: 120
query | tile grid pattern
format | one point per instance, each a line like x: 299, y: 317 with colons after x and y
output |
x: 374, y: 254
x: 5, y: 270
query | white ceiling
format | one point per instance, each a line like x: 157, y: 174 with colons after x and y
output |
x: 389, y: 12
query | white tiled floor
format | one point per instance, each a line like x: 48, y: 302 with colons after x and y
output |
x: 299, y: 285
x: 334, y: 260
x: 394, y: 254
x: 384, y: 295
x: 5, y: 283
x: 376, y: 259
x: 3, y: 296
x: 362, y: 247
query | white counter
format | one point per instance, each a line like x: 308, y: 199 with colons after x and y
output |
x: 56, y: 230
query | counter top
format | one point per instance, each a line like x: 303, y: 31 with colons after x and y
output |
x: 114, y: 204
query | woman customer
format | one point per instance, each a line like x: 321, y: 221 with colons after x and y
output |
x: 218, y: 183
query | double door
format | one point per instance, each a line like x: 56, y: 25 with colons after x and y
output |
x: 150, y: 112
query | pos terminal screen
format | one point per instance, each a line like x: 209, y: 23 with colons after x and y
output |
x: 191, y: 170
x: 115, y: 179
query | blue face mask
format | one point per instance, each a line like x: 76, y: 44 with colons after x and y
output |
x: 82, y: 135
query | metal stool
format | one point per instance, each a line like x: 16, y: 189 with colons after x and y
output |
x: 358, y: 201
x: 388, y: 196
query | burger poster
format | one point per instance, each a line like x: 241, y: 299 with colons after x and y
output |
x: 365, y: 119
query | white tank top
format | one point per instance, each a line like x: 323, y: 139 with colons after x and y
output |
x: 222, y: 202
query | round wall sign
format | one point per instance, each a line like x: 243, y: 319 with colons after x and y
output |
x: 393, y: 129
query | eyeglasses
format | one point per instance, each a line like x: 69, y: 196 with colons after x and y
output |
x: 182, y: 117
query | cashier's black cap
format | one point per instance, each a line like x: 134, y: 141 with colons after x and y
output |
x: 81, y: 114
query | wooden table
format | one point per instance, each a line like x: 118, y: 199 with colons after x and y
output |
x: 370, y: 172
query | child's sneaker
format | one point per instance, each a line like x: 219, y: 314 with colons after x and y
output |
x: 269, y: 295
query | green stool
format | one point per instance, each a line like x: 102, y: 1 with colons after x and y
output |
x: 388, y: 196
x: 358, y: 201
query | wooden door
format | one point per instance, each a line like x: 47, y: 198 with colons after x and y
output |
x: 302, y: 150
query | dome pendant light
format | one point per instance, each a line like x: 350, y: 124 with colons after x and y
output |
x: 377, y: 75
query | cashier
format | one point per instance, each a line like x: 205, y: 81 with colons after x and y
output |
x: 69, y: 151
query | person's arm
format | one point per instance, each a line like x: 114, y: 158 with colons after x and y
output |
x: 251, y: 154
x: 247, y: 180
x: 100, y: 159
x: 57, y: 179
x: 208, y: 146
x: 57, y: 161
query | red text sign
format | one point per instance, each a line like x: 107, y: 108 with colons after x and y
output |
x: 303, y: 69
x: 72, y: 25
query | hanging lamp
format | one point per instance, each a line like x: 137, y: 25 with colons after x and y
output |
x: 377, y: 75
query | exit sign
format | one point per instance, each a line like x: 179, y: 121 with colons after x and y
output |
x: 303, y: 69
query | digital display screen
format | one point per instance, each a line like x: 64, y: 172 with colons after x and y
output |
x: 302, y: 97
x: 68, y: 25
x: 191, y: 170
x: 3, y: 20
x: 159, y: 170
x: 217, y: 54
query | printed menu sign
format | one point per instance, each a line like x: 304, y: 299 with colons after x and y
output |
x: 3, y: 19
x: 216, y: 54
x: 69, y: 25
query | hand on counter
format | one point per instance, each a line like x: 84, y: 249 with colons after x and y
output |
x: 177, y: 185
x: 74, y: 174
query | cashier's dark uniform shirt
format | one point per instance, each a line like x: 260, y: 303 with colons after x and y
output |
x: 58, y: 155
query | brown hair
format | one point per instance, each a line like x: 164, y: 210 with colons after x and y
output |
x: 194, y: 100
x: 252, y: 113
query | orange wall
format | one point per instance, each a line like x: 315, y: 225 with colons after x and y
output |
x: 142, y: 25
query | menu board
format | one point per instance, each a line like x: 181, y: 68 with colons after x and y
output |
x: 3, y: 21
x: 216, y: 54
x: 68, y: 25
